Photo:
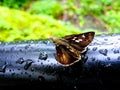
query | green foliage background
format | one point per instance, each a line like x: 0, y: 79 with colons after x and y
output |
x: 19, y: 25
x: 36, y: 19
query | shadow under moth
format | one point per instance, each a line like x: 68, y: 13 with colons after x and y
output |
x: 69, y: 48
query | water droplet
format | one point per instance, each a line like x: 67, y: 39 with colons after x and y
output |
x: 32, y: 69
x: 108, y: 58
x: 21, y: 72
x: 118, y: 58
x: 48, y: 60
x: 28, y: 64
x: 3, y: 67
x: 29, y: 75
x: 93, y: 58
x: 31, y: 42
x: 12, y: 49
x: 43, y: 56
x: 75, y: 88
x: 85, y: 58
x: 94, y: 49
x: 103, y: 51
x: 20, y: 50
x: 13, y: 74
x: 116, y: 51
x: 20, y: 60
x: 45, y: 41
x: 41, y: 63
x: 106, y: 39
x: 41, y: 79
x: 108, y: 65
x: 10, y: 70
x: 26, y: 73
x: 27, y: 46
x: 18, y: 69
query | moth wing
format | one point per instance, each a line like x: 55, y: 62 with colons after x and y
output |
x: 65, y: 57
x: 80, y: 41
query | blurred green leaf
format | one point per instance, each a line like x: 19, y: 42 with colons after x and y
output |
x: 19, y: 25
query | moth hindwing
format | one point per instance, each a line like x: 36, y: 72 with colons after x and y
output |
x: 69, y: 48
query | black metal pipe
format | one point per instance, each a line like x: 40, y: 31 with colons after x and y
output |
x: 33, y: 63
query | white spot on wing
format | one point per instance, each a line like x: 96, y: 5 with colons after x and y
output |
x: 74, y: 38
x: 79, y: 40
x: 83, y: 36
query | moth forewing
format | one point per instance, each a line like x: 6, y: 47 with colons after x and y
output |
x: 80, y: 41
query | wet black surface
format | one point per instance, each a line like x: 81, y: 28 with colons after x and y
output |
x: 32, y: 64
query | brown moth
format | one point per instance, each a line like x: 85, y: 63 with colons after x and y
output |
x: 69, y: 48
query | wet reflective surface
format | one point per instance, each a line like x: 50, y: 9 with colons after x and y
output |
x: 33, y: 63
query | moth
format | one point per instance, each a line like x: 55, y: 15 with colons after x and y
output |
x: 69, y: 48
